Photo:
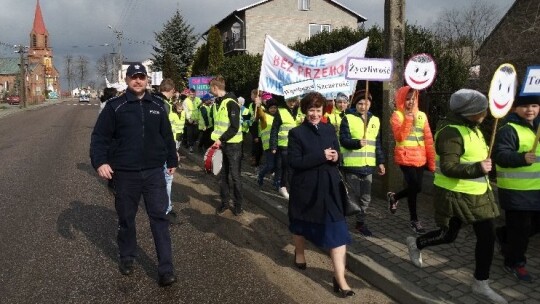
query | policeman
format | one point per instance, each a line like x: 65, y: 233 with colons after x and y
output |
x: 131, y: 141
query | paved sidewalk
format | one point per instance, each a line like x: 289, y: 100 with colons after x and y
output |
x: 383, y: 259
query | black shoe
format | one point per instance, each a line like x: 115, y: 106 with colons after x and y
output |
x: 167, y: 279
x: 301, y: 266
x: 222, y: 208
x: 237, y: 210
x: 126, y: 267
x: 172, y: 217
x: 344, y: 293
x: 363, y: 229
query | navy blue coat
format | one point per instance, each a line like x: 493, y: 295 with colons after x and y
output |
x: 133, y: 135
x: 506, y: 155
x: 315, y: 181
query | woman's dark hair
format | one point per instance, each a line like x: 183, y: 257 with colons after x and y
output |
x: 358, y: 95
x: 108, y: 93
x: 312, y: 100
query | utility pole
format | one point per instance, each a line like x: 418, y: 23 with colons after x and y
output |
x: 22, y: 75
x: 119, y: 37
x: 394, y: 33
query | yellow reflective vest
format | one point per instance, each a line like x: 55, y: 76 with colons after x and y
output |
x: 264, y: 133
x: 287, y: 123
x: 475, y: 150
x: 364, y: 156
x: 526, y: 177
x: 222, y: 123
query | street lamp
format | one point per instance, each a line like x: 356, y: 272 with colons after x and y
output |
x: 119, y: 35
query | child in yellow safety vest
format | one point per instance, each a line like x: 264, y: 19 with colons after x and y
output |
x: 518, y: 183
x: 463, y: 194
x: 265, y: 125
x: 287, y: 117
x: 206, y: 122
x: 360, y: 141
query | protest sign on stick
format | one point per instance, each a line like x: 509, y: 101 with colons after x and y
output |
x: 420, y: 72
x: 502, y: 92
x: 531, y: 86
x: 368, y: 69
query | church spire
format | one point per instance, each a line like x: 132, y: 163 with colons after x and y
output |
x: 39, y: 25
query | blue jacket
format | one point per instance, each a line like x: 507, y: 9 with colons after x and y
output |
x: 506, y: 155
x: 133, y: 135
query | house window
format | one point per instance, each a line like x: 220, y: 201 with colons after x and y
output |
x: 314, y: 29
x: 303, y: 5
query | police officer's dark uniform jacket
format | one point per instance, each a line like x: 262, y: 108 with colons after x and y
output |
x: 124, y: 135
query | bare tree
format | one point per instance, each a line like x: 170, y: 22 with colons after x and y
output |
x: 82, y: 70
x: 69, y: 71
x: 463, y: 31
x: 105, y: 66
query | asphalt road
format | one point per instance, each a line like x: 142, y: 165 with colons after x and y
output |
x: 58, y: 231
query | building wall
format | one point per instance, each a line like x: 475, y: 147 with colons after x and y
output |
x: 282, y: 20
x: 515, y: 40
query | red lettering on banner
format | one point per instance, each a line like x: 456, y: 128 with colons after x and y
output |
x: 307, y: 74
x: 196, y: 81
x: 325, y: 72
x: 333, y: 70
x: 286, y: 64
x: 276, y: 60
x: 300, y: 70
x: 317, y: 73
x: 340, y: 69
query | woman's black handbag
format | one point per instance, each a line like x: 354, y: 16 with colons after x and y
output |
x: 350, y: 207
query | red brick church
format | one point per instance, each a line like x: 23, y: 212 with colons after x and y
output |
x: 42, y: 78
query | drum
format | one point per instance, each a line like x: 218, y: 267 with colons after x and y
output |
x: 213, y: 160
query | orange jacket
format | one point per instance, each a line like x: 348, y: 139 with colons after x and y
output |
x: 411, y: 150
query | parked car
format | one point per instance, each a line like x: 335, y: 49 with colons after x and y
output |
x: 13, y: 100
x: 84, y: 98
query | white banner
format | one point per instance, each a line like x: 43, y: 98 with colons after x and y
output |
x: 531, y: 84
x: 369, y: 69
x: 282, y: 66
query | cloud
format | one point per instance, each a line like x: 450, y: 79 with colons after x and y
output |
x: 83, y: 23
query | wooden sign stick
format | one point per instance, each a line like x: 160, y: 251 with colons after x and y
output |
x: 492, y: 141
x: 366, y: 116
x: 535, y: 144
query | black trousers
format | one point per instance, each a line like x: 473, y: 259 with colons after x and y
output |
x: 413, y: 177
x: 192, y: 133
x: 129, y: 187
x: 485, y: 243
x: 514, y: 237
x: 286, y: 171
x: 232, y: 156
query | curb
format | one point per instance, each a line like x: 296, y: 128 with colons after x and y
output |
x: 393, y: 285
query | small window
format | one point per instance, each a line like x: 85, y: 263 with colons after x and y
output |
x: 314, y: 29
x: 303, y: 5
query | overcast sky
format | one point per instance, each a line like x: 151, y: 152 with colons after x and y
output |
x: 79, y: 27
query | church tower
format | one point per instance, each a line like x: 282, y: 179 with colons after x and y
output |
x: 44, y: 76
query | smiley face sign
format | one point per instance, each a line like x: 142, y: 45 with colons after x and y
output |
x: 502, y: 90
x: 420, y: 71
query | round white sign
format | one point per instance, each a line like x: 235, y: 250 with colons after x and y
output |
x: 502, y: 90
x: 420, y: 71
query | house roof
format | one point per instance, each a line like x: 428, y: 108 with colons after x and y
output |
x: 9, y: 66
x: 359, y: 17
x: 496, y: 28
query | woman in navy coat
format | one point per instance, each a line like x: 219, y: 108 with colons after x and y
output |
x: 315, y: 205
